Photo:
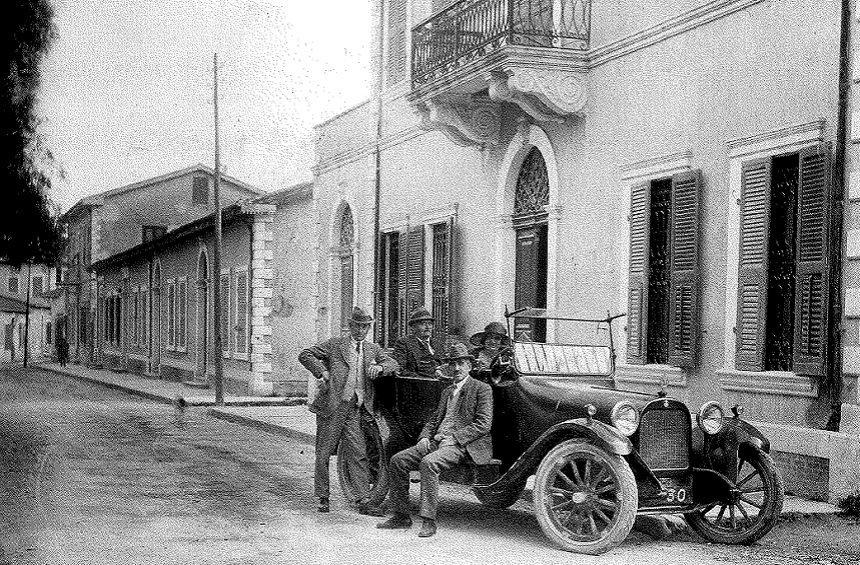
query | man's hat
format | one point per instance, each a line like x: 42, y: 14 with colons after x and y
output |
x: 359, y: 316
x: 419, y: 315
x: 496, y: 328
x: 457, y: 350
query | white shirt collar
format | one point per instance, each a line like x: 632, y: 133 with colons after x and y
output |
x: 459, y: 386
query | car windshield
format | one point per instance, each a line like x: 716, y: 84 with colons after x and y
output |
x: 561, y: 359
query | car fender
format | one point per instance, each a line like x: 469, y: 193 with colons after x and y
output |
x: 723, y: 448
x: 592, y: 431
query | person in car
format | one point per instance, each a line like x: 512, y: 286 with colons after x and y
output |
x: 488, y: 344
x: 459, y: 429
x: 418, y: 356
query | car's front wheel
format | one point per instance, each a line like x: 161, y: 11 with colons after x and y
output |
x: 585, y: 499
x: 377, y: 466
x: 749, y: 510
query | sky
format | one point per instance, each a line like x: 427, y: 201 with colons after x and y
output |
x: 127, y: 87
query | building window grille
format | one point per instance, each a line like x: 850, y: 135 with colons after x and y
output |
x: 13, y: 285
x: 658, y: 275
x: 182, y: 313
x: 532, y: 190
x: 241, y: 310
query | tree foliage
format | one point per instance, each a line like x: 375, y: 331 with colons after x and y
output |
x: 28, y: 220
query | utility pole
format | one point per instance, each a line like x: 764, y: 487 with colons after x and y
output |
x: 27, y: 317
x: 216, y: 260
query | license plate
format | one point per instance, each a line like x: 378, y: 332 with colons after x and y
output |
x: 677, y: 490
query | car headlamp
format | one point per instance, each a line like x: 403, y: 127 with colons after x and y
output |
x: 625, y: 417
x: 711, y: 417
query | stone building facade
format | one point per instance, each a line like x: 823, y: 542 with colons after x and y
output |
x: 654, y: 158
x: 104, y: 224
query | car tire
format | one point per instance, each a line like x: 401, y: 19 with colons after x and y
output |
x: 739, y: 527
x: 377, y: 465
x: 585, y: 499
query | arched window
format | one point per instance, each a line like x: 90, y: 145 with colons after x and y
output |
x: 530, y: 222
x: 347, y: 275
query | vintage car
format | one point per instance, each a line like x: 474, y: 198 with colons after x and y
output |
x: 599, y: 455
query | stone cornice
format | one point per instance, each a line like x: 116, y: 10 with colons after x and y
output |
x: 809, y: 131
x: 657, y: 165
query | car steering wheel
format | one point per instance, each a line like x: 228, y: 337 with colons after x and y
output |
x: 502, y: 372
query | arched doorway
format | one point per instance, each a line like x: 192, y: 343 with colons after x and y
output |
x: 346, y: 246
x: 155, y: 320
x: 529, y: 220
x: 202, y: 315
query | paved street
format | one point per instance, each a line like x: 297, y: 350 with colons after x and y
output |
x: 91, y: 475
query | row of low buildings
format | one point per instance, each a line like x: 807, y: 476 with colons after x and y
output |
x: 687, y: 162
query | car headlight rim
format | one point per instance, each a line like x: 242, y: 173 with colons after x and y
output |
x: 711, y: 417
x: 625, y: 417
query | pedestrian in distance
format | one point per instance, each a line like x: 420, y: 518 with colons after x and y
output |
x: 62, y: 351
x: 345, y: 368
x: 459, y: 429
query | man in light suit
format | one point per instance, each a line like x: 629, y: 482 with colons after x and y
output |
x: 459, y: 429
x: 345, y: 367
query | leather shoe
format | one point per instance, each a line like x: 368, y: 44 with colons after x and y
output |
x: 368, y: 509
x: 396, y: 522
x: 428, y: 528
x: 323, y: 505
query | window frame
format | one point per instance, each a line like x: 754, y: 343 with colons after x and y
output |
x: 236, y: 354
x: 171, y: 315
x: 182, y: 314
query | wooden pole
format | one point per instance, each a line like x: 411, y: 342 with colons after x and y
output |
x: 27, y: 318
x: 216, y: 260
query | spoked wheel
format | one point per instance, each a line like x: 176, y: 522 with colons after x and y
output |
x: 585, y: 499
x: 377, y: 467
x: 750, y: 510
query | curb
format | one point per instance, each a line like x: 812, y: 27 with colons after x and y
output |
x: 286, y: 401
x: 306, y: 438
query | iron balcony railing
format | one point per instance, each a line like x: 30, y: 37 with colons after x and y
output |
x: 472, y: 28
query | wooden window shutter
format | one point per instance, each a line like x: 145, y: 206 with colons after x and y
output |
x: 402, y: 286
x: 684, y: 261
x: 812, y: 290
x: 637, y: 299
x: 753, y: 265
x: 381, y: 291
x: 415, y: 272
x: 396, y: 64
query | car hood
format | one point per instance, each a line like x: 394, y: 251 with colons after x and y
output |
x: 565, y: 397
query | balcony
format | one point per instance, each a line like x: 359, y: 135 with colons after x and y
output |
x: 476, y: 54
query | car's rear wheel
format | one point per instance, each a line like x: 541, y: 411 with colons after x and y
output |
x: 750, y: 510
x: 585, y: 499
x: 377, y: 467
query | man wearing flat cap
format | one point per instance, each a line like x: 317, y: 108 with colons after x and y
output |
x: 459, y: 429
x: 345, y: 368
x: 418, y: 356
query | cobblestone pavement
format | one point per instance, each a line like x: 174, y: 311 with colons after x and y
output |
x: 89, y: 475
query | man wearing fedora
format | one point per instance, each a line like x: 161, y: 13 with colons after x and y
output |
x: 345, y: 367
x: 459, y: 429
x: 418, y: 356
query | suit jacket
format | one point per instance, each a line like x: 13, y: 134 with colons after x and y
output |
x: 415, y: 359
x: 475, y: 406
x: 335, y: 355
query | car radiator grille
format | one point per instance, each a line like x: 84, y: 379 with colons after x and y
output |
x: 664, y: 439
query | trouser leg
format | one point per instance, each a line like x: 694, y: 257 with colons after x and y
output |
x: 445, y: 457
x: 329, y: 430
x: 398, y: 477
x: 355, y: 452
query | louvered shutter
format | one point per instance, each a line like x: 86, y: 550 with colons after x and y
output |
x: 402, y: 286
x: 415, y: 272
x: 637, y: 298
x: 381, y: 291
x: 813, y: 262
x: 753, y: 265
x: 396, y: 64
x: 684, y: 284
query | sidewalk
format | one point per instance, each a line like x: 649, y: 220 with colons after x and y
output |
x: 298, y: 423
x: 169, y: 392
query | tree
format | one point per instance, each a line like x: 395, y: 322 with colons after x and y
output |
x: 29, y: 230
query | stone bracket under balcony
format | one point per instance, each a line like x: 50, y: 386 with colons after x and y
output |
x: 465, y: 119
x: 545, y: 95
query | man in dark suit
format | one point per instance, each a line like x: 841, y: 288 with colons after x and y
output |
x: 345, y: 367
x: 459, y: 429
x: 418, y: 356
